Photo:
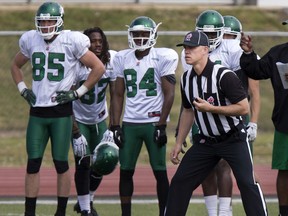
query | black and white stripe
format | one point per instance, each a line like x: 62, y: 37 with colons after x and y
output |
x: 211, y: 86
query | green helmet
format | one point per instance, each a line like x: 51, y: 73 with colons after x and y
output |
x: 232, y: 26
x: 49, y: 11
x: 145, y: 24
x: 211, y: 22
x: 105, y: 158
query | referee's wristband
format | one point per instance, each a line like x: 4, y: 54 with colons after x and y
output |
x: 21, y: 86
x: 81, y: 91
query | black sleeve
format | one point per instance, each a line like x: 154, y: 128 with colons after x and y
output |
x: 232, y: 87
x: 256, y: 68
x: 185, y: 102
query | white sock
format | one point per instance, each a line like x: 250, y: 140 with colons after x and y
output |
x: 84, y: 202
x: 91, y: 193
x: 211, y: 204
x: 230, y: 210
x: 224, y: 206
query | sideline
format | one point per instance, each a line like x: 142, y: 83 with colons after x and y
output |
x: 117, y: 201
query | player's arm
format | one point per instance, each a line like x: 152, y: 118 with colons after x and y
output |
x: 112, y: 92
x: 254, y: 100
x: 117, y: 107
x: 18, y: 62
x: 238, y: 109
x: 90, y: 60
x: 185, y: 124
x: 17, y: 75
x: 168, y: 87
x: 118, y: 99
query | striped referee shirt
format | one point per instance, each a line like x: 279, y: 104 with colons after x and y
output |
x: 219, y: 86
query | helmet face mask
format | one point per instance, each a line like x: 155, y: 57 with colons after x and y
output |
x: 142, y: 33
x: 211, y: 22
x: 232, y: 26
x: 49, y: 19
x: 105, y: 158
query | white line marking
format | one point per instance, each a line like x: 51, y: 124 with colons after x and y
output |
x: 117, y: 201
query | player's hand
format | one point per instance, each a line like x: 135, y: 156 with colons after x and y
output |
x: 174, y: 155
x: 160, y: 136
x: 117, y: 135
x: 251, y: 131
x: 246, y: 43
x: 29, y: 96
x: 184, y: 144
x: 108, y: 136
x: 63, y: 97
x: 79, y: 145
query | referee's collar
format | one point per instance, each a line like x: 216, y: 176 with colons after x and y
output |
x: 207, y: 70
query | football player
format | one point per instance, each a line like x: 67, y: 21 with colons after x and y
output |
x: 147, y: 74
x: 225, y: 52
x: 90, y: 113
x: 53, y: 53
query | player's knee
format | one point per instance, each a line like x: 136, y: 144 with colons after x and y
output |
x: 61, y: 166
x: 126, y: 175
x: 33, y: 165
x: 223, y: 167
x: 161, y: 175
x: 95, y: 175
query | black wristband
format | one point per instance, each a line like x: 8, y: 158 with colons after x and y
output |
x: 76, y: 135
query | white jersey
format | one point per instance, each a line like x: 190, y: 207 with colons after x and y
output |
x: 53, y: 64
x: 91, y: 108
x: 228, y: 54
x: 144, y: 96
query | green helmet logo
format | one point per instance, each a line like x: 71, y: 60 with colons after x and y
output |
x: 105, y: 158
x: 232, y: 26
x: 211, y: 22
x: 142, y: 24
x: 50, y: 11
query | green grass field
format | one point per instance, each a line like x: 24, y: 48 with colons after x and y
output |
x: 195, y: 209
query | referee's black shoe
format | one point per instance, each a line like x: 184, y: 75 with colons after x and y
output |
x: 85, y: 213
x: 93, y: 210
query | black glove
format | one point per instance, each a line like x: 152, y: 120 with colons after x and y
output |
x: 29, y: 96
x: 160, y: 136
x: 184, y: 144
x: 117, y: 135
x: 63, y: 97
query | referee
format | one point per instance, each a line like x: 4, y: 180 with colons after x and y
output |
x: 213, y: 96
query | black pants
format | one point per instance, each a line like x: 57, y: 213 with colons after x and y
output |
x: 199, y: 161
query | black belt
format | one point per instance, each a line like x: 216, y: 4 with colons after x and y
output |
x: 222, y: 137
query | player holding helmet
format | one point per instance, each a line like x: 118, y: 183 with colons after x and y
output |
x: 148, y: 76
x: 226, y: 53
x: 90, y: 113
x: 53, y: 53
